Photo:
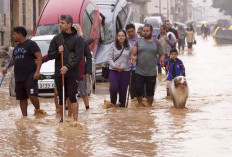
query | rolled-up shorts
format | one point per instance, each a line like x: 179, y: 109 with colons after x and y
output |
x: 27, y: 88
x: 71, y: 85
x: 82, y: 87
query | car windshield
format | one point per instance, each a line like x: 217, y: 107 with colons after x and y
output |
x: 108, y: 27
x: 43, y: 45
x: 51, y: 29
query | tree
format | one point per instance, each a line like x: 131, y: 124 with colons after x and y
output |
x: 223, y: 5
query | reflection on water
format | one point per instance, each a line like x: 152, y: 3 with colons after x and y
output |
x: 202, y: 129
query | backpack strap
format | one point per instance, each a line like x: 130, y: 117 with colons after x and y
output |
x: 156, y: 42
x: 168, y: 65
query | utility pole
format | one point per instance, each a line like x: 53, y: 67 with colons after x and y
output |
x: 160, y: 7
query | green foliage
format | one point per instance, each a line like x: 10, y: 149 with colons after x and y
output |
x: 223, y: 5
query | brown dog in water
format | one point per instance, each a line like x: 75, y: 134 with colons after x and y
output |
x: 179, y: 91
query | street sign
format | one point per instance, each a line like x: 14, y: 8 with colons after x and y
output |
x: 4, y: 6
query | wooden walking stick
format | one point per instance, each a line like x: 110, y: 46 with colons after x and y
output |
x: 128, y: 94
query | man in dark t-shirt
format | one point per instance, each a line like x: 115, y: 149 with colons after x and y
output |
x: 26, y: 71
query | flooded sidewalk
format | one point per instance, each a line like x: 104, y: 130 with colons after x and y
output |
x: 203, y: 129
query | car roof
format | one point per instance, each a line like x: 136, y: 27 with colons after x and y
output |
x: 43, y: 37
x: 54, y: 8
x: 104, y: 2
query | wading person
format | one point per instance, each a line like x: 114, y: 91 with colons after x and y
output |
x: 118, y: 59
x: 181, y: 42
x: 174, y: 67
x: 132, y: 38
x: 82, y: 84
x: 167, y: 42
x: 25, y: 70
x: 146, y: 52
x: 72, y: 46
x: 190, y: 38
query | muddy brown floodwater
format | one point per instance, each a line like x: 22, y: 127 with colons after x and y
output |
x: 203, y: 129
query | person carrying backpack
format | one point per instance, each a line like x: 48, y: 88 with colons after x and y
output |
x: 145, y: 52
x: 167, y: 42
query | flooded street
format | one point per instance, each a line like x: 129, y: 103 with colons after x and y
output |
x: 203, y: 129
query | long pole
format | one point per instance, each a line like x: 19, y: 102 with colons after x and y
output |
x: 63, y: 91
x: 128, y: 94
x: 160, y: 7
x: 6, y: 70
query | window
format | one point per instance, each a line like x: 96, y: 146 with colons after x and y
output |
x: 88, y: 19
x: 87, y: 25
x: 91, y: 11
x: 122, y: 17
x: 24, y: 12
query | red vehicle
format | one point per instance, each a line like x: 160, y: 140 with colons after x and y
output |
x: 84, y: 12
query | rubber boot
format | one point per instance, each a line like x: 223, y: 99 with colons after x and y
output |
x: 150, y: 100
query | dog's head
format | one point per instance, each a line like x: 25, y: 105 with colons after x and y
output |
x: 180, y: 81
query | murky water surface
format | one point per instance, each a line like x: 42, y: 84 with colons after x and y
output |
x: 203, y: 129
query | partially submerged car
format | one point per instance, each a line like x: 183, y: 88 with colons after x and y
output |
x: 85, y: 13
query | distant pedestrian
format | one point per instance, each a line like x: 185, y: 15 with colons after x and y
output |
x: 202, y: 29
x: 190, y: 38
x: 181, y: 42
x: 119, y: 55
x: 25, y: 70
x: 145, y: 53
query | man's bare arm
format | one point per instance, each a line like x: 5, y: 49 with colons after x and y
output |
x: 134, y: 55
x: 38, y: 56
x: 4, y: 71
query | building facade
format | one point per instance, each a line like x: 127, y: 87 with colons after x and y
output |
x: 20, y: 13
x: 175, y: 10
